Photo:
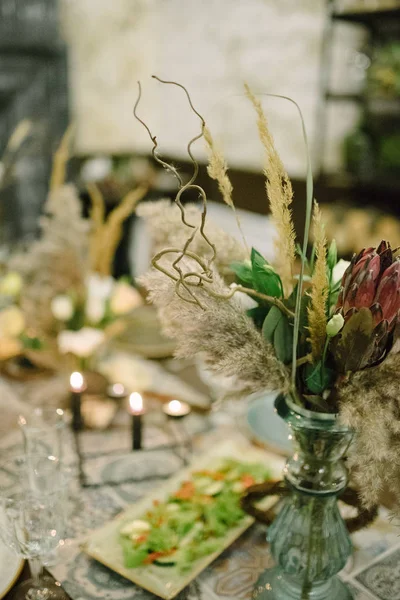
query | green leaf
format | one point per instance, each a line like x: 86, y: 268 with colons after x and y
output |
x: 283, y: 340
x: 265, y: 279
x: 270, y: 323
x: 318, y: 377
x: 258, y: 314
x: 32, y: 343
x: 352, y: 349
x: 331, y: 258
x: 244, y: 273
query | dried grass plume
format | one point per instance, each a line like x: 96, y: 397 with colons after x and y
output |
x: 107, y: 232
x: 221, y: 333
x: 317, y: 318
x: 370, y: 404
x: 280, y: 195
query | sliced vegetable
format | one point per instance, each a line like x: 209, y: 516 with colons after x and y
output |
x: 188, y: 525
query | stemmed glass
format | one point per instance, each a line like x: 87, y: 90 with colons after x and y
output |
x: 43, y: 430
x: 32, y: 518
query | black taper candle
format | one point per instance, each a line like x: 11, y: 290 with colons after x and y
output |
x: 77, y: 421
x: 136, y: 432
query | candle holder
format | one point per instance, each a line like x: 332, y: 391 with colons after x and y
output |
x: 78, y: 385
x: 136, y: 409
x: 175, y: 409
x: 116, y: 391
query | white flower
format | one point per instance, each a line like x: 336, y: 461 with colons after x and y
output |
x: 334, y: 325
x: 12, y: 322
x: 11, y: 284
x: 81, y: 343
x: 339, y: 269
x: 96, y: 169
x: 98, y: 290
x: 62, y: 307
x: 124, y: 299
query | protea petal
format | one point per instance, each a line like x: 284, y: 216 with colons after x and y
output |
x: 392, y: 269
x: 350, y: 299
x: 349, y: 314
x: 362, y: 261
x: 386, y: 295
x: 386, y: 259
x: 383, y: 246
x: 339, y: 302
x: 369, y: 301
x: 348, y: 275
x: 377, y: 313
x: 366, y: 291
x: 375, y: 266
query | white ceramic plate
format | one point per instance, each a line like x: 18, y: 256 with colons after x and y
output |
x: 10, y: 569
x: 265, y: 426
x: 103, y: 544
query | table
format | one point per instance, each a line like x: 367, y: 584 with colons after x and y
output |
x: 373, y: 571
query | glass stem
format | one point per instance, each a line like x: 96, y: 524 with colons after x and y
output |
x: 36, y: 568
x: 306, y: 588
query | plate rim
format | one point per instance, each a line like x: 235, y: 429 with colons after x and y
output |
x: 15, y: 578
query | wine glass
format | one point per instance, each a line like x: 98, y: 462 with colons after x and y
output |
x: 32, y: 523
x: 43, y: 431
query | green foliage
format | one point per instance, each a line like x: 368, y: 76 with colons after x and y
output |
x: 318, y: 378
x: 265, y: 279
x: 278, y: 331
x: 270, y: 323
x: 331, y: 258
x: 244, y: 273
x: 32, y: 343
x: 258, y: 314
x: 356, y: 343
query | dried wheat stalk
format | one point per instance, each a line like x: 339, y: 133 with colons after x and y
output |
x: 317, y: 318
x: 280, y: 195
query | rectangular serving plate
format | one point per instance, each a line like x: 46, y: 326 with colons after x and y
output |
x: 167, y: 582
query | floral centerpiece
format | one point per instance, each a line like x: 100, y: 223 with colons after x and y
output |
x: 322, y: 332
x: 58, y: 298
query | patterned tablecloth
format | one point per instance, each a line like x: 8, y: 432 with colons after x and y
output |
x: 117, y: 477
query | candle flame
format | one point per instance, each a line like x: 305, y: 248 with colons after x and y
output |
x: 175, y: 406
x: 76, y: 381
x: 136, y: 402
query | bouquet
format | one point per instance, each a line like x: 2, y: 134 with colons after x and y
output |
x: 58, y: 297
x: 320, y: 329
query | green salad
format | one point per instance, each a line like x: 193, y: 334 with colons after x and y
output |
x: 192, y: 521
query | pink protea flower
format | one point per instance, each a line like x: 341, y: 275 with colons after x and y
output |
x: 372, y: 280
x: 369, y: 301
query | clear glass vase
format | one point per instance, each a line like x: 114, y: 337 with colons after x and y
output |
x: 309, y: 539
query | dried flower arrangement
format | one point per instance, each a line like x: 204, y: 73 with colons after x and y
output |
x: 59, y: 297
x: 325, y: 332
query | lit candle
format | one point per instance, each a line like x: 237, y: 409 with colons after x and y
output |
x: 137, y: 410
x: 175, y: 409
x: 78, y: 385
x: 116, y: 391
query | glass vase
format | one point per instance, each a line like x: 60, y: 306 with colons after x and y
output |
x: 309, y: 539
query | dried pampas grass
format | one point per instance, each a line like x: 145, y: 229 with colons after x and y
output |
x: 218, y: 169
x: 370, y: 404
x: 319, y: 290
x: 220, y: 332
x: 55, y: 263
x: 106, y: 233
x: 280, y: 195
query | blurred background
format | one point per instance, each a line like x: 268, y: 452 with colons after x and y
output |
x: 79, y: 61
